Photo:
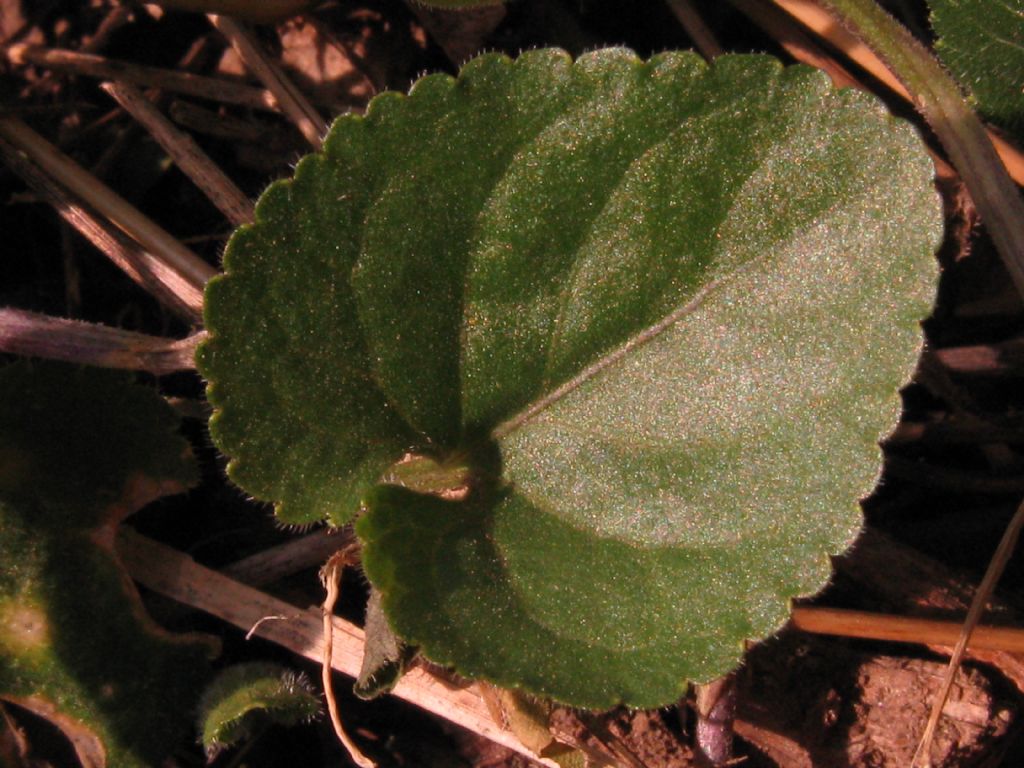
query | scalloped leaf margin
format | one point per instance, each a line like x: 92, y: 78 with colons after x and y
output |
x: 661, y: 309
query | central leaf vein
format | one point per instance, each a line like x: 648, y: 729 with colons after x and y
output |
x: 648, y: 334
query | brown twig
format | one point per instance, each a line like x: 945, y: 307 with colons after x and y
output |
x: 35, y: 335
x: 904, y: 581
x: 186, y: 154
x: 144, y: 268
x: 191, y: 271
x: 293, y: 103
x: 215, y: 89
x: 176, y: 575
x: 842, y: 622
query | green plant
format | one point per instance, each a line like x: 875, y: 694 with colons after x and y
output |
x: 246, y: 697
x: 586, y: 313
x: 582, y: 349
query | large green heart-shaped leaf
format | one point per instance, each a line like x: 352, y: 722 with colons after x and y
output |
x: 659, y: 310
x: 982, y: 42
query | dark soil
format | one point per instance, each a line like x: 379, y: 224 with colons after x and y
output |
x: 954, y: 473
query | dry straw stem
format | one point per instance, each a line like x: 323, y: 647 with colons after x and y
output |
x: 211, y: 88
x: 175, y: 575
x: 970, y: 629
x: 145, y: 269
x: 841, y: 622
x: 195, y: 163
x: 285, y: 559
x: 35, y: 335
x: 294, y: 105
x: 823, y: 24
x: 190, y: 273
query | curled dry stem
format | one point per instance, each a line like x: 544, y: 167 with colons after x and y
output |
x: 330, y: 575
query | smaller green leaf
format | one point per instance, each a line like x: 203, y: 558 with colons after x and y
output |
x: 982, y: 43
x: 244, y: 698
x: 80, y: 449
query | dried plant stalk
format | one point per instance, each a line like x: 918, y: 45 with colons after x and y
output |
x: 214, y: 89
x: 186, y: 154
x: 144, y: 268
x: 35, y: 335
x: 293, y: 103
x: 192, y: 271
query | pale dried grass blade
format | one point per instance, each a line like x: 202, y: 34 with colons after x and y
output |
x: 35, y: 335
x: 176, y: 575
x: 149, y: 272
x: 293, y: 103
x: 191, y: 269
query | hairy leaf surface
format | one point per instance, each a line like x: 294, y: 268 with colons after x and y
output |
x: 647, y: 320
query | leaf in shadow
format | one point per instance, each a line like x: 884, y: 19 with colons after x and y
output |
x: 82, y: 449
